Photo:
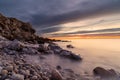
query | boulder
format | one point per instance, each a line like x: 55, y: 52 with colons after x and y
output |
x: 43, y: 47
x: 99, y: 71
x: 69, y: 46
x: 70, y: 55
x: 12, y: 28
x: 55, y: 75
x: 57, y: 49
x: 15, y: 45
x: 76, y: 57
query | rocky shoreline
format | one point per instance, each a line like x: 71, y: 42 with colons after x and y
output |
x: 14, y: 65
x: 20, y: 46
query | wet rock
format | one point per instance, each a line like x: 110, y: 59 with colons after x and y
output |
x: 76, y: 57
x: 69, y: 46
x: 65, y: 53
x: 55, y: 75
x: 70, y: 55
x: 55, y: 48
x: 103, y: 72
x: 58, y: 67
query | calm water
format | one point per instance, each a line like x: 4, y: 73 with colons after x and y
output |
x: 96, y: 52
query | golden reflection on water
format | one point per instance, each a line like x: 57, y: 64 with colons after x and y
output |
x: 96, y: 52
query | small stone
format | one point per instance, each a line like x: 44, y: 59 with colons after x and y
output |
x: 9, y: 68
x: 56, y: 75
x: 34, y: 78
x: 0, y: 69
x: 7, y: 79
x: 46, y: 78
x: 25, y: 72
x: 17, y: 77
x: 4, y: 72
x: 58, y: 67
x: 69, y: 46
x: 16, y: 70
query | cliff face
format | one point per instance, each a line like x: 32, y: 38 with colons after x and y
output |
x: 12, y: 28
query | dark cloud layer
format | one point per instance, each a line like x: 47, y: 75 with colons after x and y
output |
x: 46, y: 13
x: 111, y: 31
x: 75, y: 15
x: 98, y: 31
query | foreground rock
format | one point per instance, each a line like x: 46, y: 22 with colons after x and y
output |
x: 56, y: 75
x: 14, y: 63
x: 104, y: 73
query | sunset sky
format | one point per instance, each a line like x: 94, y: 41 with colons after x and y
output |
x: 66, y: 17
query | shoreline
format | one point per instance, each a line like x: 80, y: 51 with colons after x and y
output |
x: 15, y: 54
x: 24, y: 60
x: 23, y: 56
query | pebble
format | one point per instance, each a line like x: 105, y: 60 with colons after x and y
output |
x: 58, y: 67
x: 34, y: 78
x: 4, y: 72
x: 17, y: 77
x: 0, y: 69
x: 25, y: 72
x: 9, y: 68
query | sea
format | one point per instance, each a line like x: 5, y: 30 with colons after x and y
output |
x: 103, y: 53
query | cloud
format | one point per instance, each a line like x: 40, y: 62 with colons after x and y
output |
x: 99, y: 31
x: 49, y: 29
x: 89, y: 11
x: 102, y: 31
x: 47, y: 13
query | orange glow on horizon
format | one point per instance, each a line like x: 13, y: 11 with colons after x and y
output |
x: 87, y: 37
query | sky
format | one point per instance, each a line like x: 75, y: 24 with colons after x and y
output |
x: 66, y: 17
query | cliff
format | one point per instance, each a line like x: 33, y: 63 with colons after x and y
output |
x: 12, y: 28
